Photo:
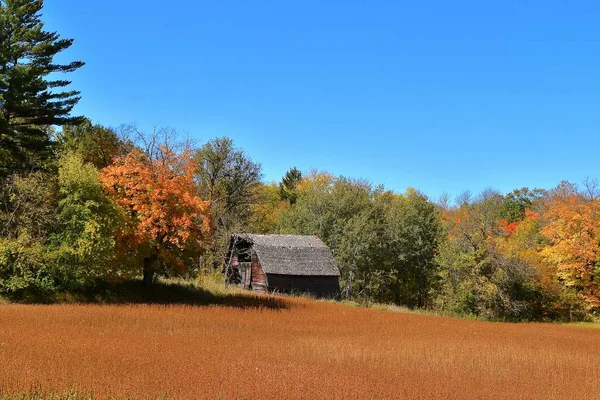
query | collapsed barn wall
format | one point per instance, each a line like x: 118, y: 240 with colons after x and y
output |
x: 238, y: 267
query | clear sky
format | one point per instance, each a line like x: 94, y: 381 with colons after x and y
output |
x: 439, y: 95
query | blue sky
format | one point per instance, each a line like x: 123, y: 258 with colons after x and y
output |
x: 442, y: 96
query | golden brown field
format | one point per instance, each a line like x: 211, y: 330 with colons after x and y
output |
x: 305, y: 349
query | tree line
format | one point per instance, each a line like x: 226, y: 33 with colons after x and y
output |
x: 82, y: 205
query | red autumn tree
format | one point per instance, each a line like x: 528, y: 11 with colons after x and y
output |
x: 169, y: 222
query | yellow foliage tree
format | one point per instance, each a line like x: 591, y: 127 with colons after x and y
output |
x: 573, y: 232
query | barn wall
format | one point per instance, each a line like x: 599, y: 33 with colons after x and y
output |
x: 326, y: 286
x: 244, y: 271
x: 237, y: 274
x: 259, y: 279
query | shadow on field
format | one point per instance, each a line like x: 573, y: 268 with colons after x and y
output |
x: 165, y: 293
x: 161, y: 292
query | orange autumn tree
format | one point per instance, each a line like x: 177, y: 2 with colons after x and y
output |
x: 169, y: 222
x: 573, y: 232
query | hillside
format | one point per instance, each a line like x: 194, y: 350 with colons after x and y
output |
x: 293, y: 348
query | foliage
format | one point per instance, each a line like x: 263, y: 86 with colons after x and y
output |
x: 517, y: 202
x: 412, y: 234
x: 168, y: 222
x: 267, y: 209
x: 30, y: 93
x: 88, y: 223
x: 527, y: 255
x: 96, y: 144
x: 482, y: 273
x: 59, y: 233
x: 25, y: 268
x: 27, y: 219
x: 384, y: 243
x: 230, y: 181
x: 517, y: 269
x: 28, y: 205
x: 289, y: 185
x: 573, y: 232
x: 102, y: 207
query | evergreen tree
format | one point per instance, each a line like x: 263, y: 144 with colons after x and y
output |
x: 31, y: 101
x: 289, y: 184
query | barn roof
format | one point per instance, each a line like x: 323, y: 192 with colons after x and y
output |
x: 292, y: 254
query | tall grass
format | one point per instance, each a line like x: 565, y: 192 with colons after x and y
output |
x: 39, y: 394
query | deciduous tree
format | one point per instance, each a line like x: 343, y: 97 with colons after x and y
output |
x: 96, y: 144
x: 573, y: 231
x: 169, y: 222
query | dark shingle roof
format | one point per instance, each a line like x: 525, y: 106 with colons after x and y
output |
x: 292, y: 254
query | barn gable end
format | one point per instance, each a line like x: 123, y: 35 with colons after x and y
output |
x: 259, y: 278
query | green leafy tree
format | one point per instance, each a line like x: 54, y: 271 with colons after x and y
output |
x: 518, y: 201
x: 230, y: 181
x: 31, y: 99
x: 361, y: 254
x: 479, y: 274
x: 227, y: 178
x: 384, y: 243
x: 59, y: 232
x: 339, y: 211
x: 95, y: 143
x: 28, y: 205
x: 267, y: 208
x: 88, y: 223
x: 412, y: 231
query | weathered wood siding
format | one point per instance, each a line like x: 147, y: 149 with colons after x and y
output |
x: 323, y: 286
x: 245, y: 271
x: 239, y: 273
x: 259, y: 279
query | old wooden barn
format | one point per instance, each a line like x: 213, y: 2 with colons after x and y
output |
x: 282, y: 263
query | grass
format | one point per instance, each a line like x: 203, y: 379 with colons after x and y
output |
x: 163, y: 292
x: 39, y: 394
x: 211, y: 343
x: 585, y: 324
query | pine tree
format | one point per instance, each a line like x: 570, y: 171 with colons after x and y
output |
x: 31, y: 101
x: 289, y: 184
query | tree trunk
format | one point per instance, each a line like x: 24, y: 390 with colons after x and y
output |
x: 347, y: 290
x: 398, y: 288
x: 148, y: 278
